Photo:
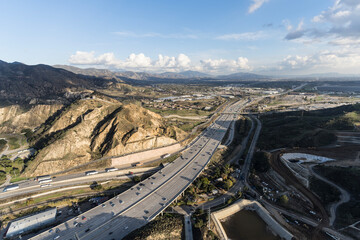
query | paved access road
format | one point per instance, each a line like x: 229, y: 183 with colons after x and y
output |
x: 137, y: 206
x: 344, y: 197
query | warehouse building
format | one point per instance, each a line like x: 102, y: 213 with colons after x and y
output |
x: 31, y: 222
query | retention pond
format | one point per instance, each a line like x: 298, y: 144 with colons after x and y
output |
x: 247, y: 225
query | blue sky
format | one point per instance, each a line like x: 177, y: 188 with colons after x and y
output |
x: 263, y: 36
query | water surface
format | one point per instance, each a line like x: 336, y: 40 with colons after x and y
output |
x: 247, y: 225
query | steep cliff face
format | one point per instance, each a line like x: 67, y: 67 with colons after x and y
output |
x: 14, y: 118
x: 91, y: 128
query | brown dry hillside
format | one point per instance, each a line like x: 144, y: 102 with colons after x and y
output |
x: 95, y: 127
x: 15, y: 118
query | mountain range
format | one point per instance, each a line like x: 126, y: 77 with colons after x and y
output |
x: 20, y: 82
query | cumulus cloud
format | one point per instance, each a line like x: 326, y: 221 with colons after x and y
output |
x: 140, y: 62
x: 343, y: 60
x: 225, y: 65
x: 256, y: 4
x: 341, y: 21
x: 242, y: 36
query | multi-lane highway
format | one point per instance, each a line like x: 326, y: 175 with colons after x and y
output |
x: 137, y: 206
x: 32, y: 186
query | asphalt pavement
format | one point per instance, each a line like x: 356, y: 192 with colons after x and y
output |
x: 137, y: 206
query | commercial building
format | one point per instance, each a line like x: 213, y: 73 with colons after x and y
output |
x: 31, y: 222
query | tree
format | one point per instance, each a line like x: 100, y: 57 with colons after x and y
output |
x: 204, y: 183
x: 199, y: 223
x: 29, y: 201
x: 211, y: 187
x: 2, y: 175
x: 228, y: 184
x: 217, y: 173
x: 136, y: 179
x: 284, y: 199
x: 227, y: 168
x: 15, y: 172
x: 96, y: 186
x: 239, y: 194
x: 261, y: 162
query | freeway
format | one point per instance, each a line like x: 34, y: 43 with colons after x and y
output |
x: 32, y: 186
x: 137, y: 206
x: 245, y: 169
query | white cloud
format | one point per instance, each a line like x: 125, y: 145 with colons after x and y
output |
x: 140, y: 62
x: 297, y: 33
x: 256, y: 4
x: 225, y: 65
x: 340, y: 21
x: 242, y: 36
x: 344, y: 60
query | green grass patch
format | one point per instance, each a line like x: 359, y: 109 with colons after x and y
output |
x: 3, y: 143
x: 13, y: 143
x: 183, y: 112
x: 188, y: 126
x: 17, y: 179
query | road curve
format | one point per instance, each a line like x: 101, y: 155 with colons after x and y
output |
x: 345, y: 196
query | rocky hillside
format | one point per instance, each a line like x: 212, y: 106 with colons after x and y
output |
x: 94, y: 127
x: 15, y: 118
x: 20, y: 83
